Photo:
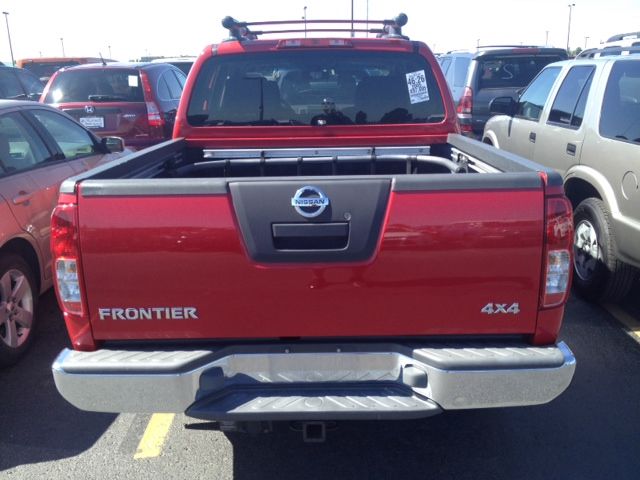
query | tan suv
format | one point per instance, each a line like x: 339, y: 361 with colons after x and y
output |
x: 39, y: 148
x: 582, y: 117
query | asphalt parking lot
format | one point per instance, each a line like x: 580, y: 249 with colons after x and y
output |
x: 590, y: 432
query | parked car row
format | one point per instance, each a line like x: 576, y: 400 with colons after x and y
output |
x: 582, y: 118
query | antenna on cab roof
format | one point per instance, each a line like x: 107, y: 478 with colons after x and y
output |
x: 104, y: 64
x: 390, y: 28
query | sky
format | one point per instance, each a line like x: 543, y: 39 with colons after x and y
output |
x: 125, y: 30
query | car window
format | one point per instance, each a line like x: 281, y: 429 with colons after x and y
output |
x: 72, y: 139
x: 620, y: 117
x: 96, y: 85
x: 20, y: 146
x: 175, y: 90
x: 461, y: 66
x: 182, y: 79
x: 46, y: 69
x: 568, y: 106
x: 30, y: 83
x: 315, y: 87
x: 503, y: 71
x: 445, y: 63
x: 163, y: 88
x: 9, y: 85
x: 534, y: 97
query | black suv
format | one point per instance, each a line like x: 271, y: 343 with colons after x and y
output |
x: 477, y: 77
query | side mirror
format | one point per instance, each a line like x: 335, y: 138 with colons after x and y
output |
x: 113, y: 144
x: 503, y: 106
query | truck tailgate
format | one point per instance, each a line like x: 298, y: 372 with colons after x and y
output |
x: 386, y: 258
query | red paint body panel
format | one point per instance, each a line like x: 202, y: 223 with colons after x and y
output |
x: 442, y: 257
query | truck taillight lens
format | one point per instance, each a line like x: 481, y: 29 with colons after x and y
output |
x: 558, y: 251
x: 68, y: 275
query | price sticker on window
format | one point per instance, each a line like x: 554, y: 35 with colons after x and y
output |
x: 417, y: 85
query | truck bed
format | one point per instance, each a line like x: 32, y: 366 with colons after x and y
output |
x: 397, y: 254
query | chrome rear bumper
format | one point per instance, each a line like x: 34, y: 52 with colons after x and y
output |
x: 314, y: 381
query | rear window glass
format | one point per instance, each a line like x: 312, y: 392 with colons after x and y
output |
x: 315, y: 88
x: 96, y: 85
x: 506, y: 71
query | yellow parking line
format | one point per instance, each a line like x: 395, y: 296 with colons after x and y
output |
x: 632, y: 324
x: 150, y: 445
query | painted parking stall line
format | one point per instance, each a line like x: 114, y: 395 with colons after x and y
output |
x: 632, y: 324
x: 152, y: 441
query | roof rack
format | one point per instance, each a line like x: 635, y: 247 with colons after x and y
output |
x: 390, y: 28
x: 624, y: 36
x: 608, y: 51
x: 508, y: 46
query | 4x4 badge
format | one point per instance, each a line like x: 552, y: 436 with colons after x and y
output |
x: 310, y: 201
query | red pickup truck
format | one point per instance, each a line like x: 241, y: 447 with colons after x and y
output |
x: 316, y: 243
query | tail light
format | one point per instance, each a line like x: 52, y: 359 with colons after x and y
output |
x: 68, y: 275
x: 465, y: 107
x: 557, y: 252
x: 154, y: 116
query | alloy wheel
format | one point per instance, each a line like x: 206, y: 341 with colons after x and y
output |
x: 16, y: 308
x: 586, y: 250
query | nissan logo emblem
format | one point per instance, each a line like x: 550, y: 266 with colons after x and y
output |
x: 310, y: 201
x: 89, y: 109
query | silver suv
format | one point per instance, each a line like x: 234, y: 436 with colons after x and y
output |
x: 582, y: 118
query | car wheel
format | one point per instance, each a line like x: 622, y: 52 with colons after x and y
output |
x: 18, y: 300
x: 598, y: 274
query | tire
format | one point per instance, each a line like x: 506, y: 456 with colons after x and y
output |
x: 18, y: 302
x: 598, y: 275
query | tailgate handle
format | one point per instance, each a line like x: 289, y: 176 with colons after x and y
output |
x: 310, y: 236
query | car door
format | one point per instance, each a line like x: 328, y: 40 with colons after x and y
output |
x: 523, y: 128
x: 30, y: 180
x: 76, y: 145
x: 559, y: 141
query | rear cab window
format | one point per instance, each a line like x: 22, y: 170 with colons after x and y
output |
x: 315, y: 87
x: 96, y: 85
x: 505, y: 71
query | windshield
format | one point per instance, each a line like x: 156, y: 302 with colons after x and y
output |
x: 47, y: 69
x: 96, y: 85
x: 515, y: 71
x: 323, y: 87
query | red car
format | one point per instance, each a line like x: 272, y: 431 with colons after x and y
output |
x: 135, y: 101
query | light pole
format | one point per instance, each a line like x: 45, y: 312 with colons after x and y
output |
x: 585, y: 42
x: 62, y: 43
x: 305, y: 21
x: 6, y: 17
x: 571, y: 5
x: 546, y: 38
x: 109, y: 46
x: 352, y: 32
